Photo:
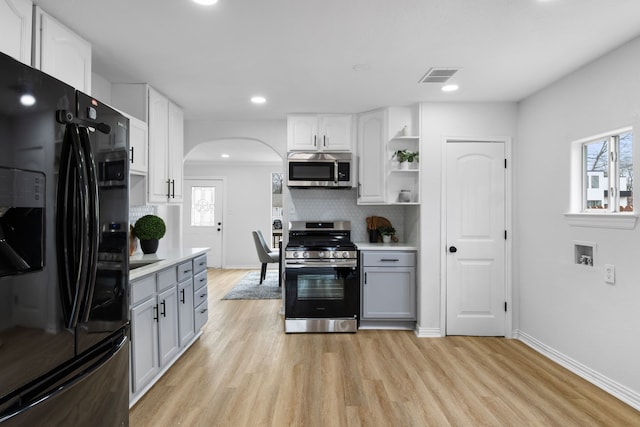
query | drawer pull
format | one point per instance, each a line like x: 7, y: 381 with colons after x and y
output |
x: 389, y: 260
x: 204, y: 310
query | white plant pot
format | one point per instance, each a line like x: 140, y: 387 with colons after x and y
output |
x: 386, y: 239
x: 404, y: 165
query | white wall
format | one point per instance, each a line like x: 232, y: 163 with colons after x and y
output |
x: 440, y: 121
x: 248, y: 208
x: 566, y: 307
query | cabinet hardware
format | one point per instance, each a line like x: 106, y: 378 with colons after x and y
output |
x: 389, y: 259
x: 182, y: 297
x: 365, y: 278
x: 453, y: 249
x: 168, y: 188
x: 173, y: 188
x: 164, y: 308
x: 131, y: 149
x: 204, y: 310
x: 314, y: 140
x: 324, y: 141
x: 155, y: 312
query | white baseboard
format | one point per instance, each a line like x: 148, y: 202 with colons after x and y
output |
x: 427, y: 332
x: 612, y: 387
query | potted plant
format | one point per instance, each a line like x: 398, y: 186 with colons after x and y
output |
x: 405, y: 157
x: 386, y: 232
x: 149, y: 229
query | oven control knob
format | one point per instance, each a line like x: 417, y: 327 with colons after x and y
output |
x: 295, y: 254
x: 345, y: 254
x: 305, y: 254
x: 321, y: 254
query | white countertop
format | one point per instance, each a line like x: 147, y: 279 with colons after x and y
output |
x: 366, y: 246
x: 161, y: 259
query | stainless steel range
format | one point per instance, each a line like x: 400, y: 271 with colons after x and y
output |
x: 322, y: 281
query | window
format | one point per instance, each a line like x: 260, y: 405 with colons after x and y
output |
x: 202, y: 206
x: 607, y: 173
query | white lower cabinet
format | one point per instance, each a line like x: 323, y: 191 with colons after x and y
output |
x: 164, y: 320
x: 388, y: 288
x: 186, y: 312
x: 144, y: 333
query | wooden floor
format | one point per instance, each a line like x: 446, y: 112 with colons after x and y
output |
x: 245, y: 371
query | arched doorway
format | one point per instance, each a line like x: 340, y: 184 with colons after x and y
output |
x: 228, y: 194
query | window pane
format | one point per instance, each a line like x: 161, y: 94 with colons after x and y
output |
x: 596, y: 167
x: 625, y: 169
x: 202, y: 206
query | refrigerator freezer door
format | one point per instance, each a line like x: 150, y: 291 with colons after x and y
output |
x: 90, y: 394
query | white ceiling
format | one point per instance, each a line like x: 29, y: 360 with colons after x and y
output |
x: 300, y: 54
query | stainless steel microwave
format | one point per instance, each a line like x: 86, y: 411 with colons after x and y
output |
x: 323, y: 170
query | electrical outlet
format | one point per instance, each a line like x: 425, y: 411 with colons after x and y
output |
x: 610, y: 274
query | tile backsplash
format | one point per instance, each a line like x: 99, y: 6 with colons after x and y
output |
x: 327, y: 205
x: 137, y: 212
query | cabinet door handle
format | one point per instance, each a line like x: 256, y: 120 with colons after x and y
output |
x: 324, y: 141
x: 155, y: 312
x: 204, y: 310
x: 164, y: 308
x: 131, y: 149
x: 182, y: 297
x: 173, y: 188
x: 365, y: 278
x: 168, y: 188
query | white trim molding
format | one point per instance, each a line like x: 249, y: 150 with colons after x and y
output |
x: 612, y: 387
x: 620, y: 221
x: 428, y: 332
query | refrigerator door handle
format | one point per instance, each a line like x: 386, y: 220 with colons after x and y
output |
x: 72, y: 225
x: 93, y: 216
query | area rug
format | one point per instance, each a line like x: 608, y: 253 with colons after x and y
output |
x: 249, y: 287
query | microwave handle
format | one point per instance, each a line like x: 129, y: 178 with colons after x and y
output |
x: 335, y: 172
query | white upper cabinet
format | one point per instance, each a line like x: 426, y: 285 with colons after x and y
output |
x: 60, y: 52
x: 16, y: 21
x: 138, y: 143
x: 320, y: 132
x: 371, y: 162
x: 165, y: 121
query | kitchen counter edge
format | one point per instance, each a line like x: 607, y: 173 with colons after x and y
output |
x: 364, y: 246
x: 164, y: 257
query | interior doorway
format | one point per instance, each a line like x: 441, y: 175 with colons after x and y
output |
x: 203, y: 222
x: 475, y: 235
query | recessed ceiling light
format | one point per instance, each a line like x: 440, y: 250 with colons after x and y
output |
x: 224, y: 156
x: 258, y: 99
x: 361, y: 67
x: 449, y: 88
x: 27, y: 100
x: 206, y: 2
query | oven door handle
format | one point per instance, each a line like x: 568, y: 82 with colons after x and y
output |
x: 306, y: 264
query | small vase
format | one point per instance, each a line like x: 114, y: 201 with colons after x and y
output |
x: 149, y: 246
x: 404, y: 165
x: 373, y: 236
x: 386, y: 238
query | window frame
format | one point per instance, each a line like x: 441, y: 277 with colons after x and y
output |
x: 579, y: 214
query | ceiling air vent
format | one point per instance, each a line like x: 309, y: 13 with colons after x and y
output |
x: 438, y: 75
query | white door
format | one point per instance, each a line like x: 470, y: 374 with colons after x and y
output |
x: 475, y: 227
x: 203, y: 226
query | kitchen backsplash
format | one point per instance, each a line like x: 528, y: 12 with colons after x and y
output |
x: 137, y: 212
x: 326, y: 205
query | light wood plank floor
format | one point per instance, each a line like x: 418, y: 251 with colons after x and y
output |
x: 245, y: 371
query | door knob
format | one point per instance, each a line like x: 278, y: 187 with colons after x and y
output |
x: 453, y: 249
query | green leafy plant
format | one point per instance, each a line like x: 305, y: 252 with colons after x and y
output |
x: 406, y: 156
x: 386, y: 230
x: 149, y: 227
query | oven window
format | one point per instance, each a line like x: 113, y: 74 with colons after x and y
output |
x: 320, y: 287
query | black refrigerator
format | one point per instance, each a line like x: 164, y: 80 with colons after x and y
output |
x: 64, y: 345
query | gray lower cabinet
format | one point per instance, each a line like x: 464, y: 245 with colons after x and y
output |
x: 388, y: 286
x: 164, y: 320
